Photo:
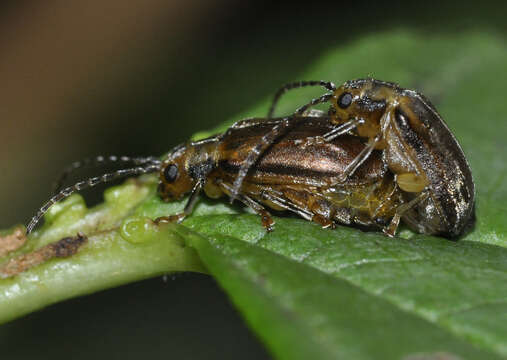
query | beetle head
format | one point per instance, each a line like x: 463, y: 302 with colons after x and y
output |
x: 345, y: 103
x: 363, y: 99
x: 175, y: 181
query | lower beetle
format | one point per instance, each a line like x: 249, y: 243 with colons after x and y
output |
x: 296, y: 174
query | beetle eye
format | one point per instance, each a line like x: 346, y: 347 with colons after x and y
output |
x: 345, y: 100
x: 171, y: 173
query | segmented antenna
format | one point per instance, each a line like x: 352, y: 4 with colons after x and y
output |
x: 328, y: 85
x: 278, y: 130
x: 97, y: 161
x: 91, y: 182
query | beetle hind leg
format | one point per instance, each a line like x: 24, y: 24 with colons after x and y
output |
x: 323, y: 221
x: 266, y: 219
x: 390, y: 230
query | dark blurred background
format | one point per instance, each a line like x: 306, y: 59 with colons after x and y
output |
x: 79, y: 79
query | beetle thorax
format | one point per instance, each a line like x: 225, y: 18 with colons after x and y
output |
x: 201, y: 160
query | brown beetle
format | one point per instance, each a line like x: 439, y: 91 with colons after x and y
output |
x: 417, y: 145
x: 296, y: 174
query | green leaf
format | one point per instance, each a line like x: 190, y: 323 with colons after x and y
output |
x: 303, y: 312
x: 105, y: 261
x: 311, y: 292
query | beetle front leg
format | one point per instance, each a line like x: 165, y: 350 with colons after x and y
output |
x: 189, y: 207
x: 360, y: 158
x: 373, y: 142
x: 333, y: 134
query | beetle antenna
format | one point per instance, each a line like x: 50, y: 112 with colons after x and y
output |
x: 278, y: 130
x: 97, y: 161
x: 328, y: 85
x: 91, y: 182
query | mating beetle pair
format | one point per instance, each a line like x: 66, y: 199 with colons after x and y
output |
x: 380, y: 154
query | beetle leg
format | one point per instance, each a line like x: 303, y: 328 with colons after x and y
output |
x: 267, y: 220
x: 286, y: 204
x: 360, y: 158
x: 323, y: 221
x: 390, y: 230
x: 333, y: 134
x: 304, y: 213
x: 276, y: 201
x: 342, y: 129
x: 189, y: 207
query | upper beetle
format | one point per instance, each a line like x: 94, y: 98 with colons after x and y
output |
x: 418, y: 147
